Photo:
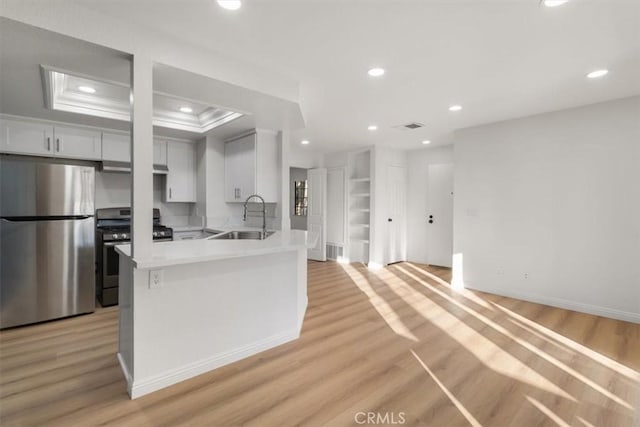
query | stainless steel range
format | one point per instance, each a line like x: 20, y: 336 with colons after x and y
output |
x: 113, y: 227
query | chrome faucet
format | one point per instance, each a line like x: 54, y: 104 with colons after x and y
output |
x: 264, y: 212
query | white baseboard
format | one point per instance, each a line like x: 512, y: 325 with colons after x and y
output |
x: 173, y: 376
x: 563, y: 303
x: 125, y: 372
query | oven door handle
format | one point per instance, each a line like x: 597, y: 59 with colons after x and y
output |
x: 115, y: 243
x: 169, y: 239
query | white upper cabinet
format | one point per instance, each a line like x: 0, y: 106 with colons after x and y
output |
x: 181, y: 178
x: 22, y: 137
x: 77, y: 143
x: 116, y: 147
x: 240, y: 168
x: 159, y: 152
x: 251, y: 167
x: 44, y: 139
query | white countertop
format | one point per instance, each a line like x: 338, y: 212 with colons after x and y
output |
x: 185, y: 228
x: 194, y: 251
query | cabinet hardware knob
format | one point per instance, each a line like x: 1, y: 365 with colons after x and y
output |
x: 390, y: 220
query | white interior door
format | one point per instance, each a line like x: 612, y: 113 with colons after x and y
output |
x: 440, y: 214
x: 317, y: 212
x: 396, y: 214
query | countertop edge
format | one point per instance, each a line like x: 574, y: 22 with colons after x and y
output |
x: 146, y: 264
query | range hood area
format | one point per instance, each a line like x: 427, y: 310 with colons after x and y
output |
x: 125, y: 167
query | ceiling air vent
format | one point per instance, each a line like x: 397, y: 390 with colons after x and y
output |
x: 409, y: 126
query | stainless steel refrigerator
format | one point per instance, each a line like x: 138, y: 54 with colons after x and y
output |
x: 47, y: 235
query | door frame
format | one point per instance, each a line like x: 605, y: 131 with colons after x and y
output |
x: 403, y: 233
x: 317, y: 178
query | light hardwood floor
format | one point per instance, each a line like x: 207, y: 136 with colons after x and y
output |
x: 397, y: 342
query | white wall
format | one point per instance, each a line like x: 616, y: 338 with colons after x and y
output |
x: 336, y: 159
x: 547, y: 208
x: 297, y: 222
x: 304, y: 157
x: 417, y: 201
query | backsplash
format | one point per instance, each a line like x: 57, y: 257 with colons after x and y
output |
x: 113, y: 189
x: 254, y: 219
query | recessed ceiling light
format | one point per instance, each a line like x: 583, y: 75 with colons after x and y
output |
x: 554, y: 3
x: 186, y: 110
x: 86, y: 89
x: 376, y: 72
x: 426, y: 142
x: 455, y: 108
x: 373, y: 127
x: 597, y: 73
x: 304, y: 142
x: 230, y: 4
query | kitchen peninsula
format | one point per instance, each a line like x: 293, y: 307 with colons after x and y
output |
x: 197, y: 305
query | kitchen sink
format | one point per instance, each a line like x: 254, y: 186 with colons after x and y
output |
x: 242, y: 235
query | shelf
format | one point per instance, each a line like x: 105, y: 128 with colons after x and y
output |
x: 360, y: 179
x: 360, y: 225
x: 361, y: 210
x: 361, y: 195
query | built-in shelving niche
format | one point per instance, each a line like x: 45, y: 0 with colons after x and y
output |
x: 359, y: 202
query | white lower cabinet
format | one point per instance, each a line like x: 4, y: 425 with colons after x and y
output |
x: 181, y: 178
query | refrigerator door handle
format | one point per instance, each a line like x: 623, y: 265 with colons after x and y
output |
x: 44, y: 218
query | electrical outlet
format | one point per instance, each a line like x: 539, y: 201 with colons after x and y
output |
x: 155, y: 278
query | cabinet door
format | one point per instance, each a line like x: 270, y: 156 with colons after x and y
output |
x: 240, y: 168
x: 76, y: 143
x: 116, y: 147
x: 26, y: 138
x: 181, y: 178
x: 159, y: 152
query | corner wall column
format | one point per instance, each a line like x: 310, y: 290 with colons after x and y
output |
x: 284, y: 138
x: 141, y: 157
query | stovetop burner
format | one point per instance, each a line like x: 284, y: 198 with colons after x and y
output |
x: 114, y: 224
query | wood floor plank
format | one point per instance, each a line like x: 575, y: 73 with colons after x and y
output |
x: 392, y: 341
